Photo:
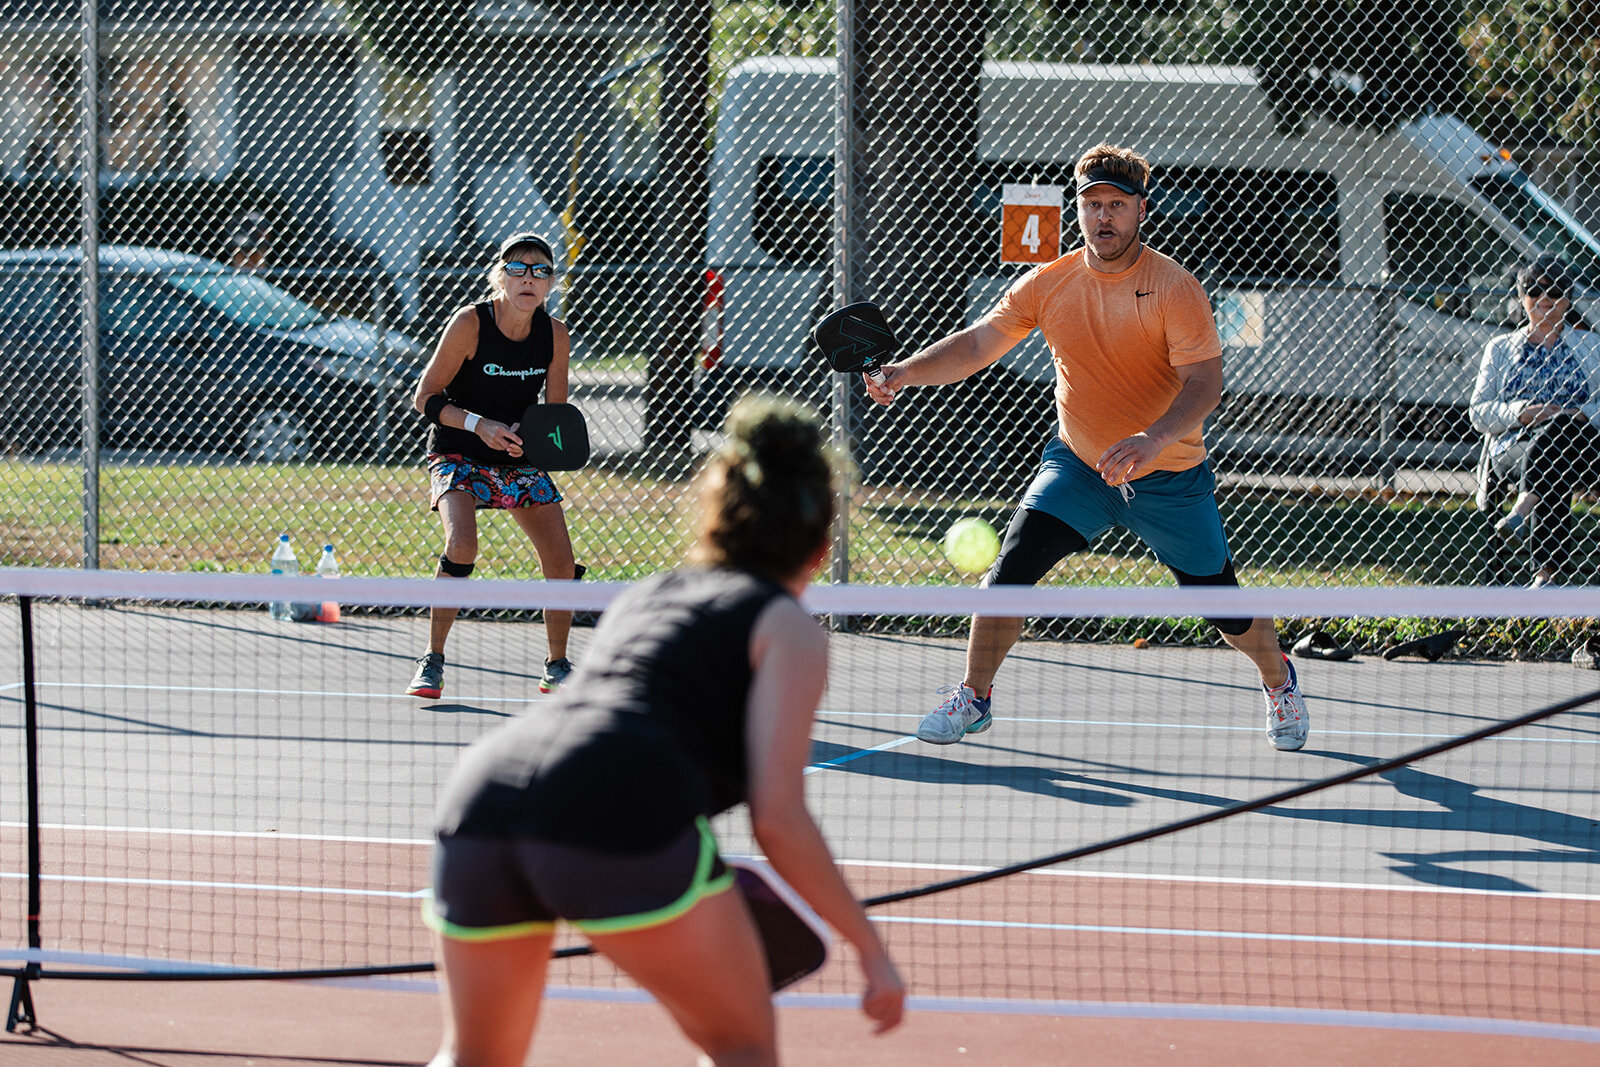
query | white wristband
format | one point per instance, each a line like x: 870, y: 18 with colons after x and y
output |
x: 470, y: 423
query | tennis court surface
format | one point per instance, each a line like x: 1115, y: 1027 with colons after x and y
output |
x: 219, y: 792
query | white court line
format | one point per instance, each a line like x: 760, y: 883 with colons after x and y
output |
x: 455, y: 699
x: 252, y: 887
x: 1265, y: 883
x: 1319, y: 731
x: 956, y: 868
x: 1241, y: 935
x: 246, y: 691
x: 1370, y: 1020
x: 265, y: 835
x: 911, y: 920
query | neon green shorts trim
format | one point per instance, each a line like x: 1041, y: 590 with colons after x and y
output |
x: 456, y: 932
x: 704, y: 884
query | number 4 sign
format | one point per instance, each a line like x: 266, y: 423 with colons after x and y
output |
x: 1030, y: 223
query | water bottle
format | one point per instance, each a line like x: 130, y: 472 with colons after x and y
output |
x: 328, y: 567
x: 283, y: 562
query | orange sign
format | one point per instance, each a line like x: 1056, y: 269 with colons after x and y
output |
x: 1030, y: 223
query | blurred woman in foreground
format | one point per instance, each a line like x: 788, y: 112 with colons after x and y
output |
x: 697, y: 694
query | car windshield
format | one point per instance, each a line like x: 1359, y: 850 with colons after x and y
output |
x: 1545, y: 221
x: 248, y: 300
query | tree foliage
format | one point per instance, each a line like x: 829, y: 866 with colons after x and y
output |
x: 415, y: 37
x: 1360, y: 62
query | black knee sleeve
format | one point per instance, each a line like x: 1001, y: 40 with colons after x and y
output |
x: 1034, y: 542
x: 1232, y: 627
x: 455, y: 570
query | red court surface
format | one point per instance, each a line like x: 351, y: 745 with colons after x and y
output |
x: 303, y: 1024
x: 1384, y: 965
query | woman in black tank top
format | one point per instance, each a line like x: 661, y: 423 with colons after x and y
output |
x: 593, y: 810
x: 493, y: 360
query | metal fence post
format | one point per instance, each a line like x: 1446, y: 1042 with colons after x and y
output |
x: 847, y: 266
x: 89, y: 375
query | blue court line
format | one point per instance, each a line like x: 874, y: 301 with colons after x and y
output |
x: 1240, y: 935
x: 182, y: 883
x: 1212, y: 1013
x: 837, y: 760
x: 1371, y: 1020
x: 1367, y: 1020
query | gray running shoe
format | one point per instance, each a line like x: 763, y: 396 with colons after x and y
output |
x: 962, y: 713
x: 428, y: 682
x: 555, y: 674
x: 1288, y: 722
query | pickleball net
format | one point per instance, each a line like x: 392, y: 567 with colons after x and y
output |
x: 217, y: 793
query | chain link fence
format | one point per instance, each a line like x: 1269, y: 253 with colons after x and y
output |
x: 286, y: 199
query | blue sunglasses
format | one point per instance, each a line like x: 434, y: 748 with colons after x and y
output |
x: 515, y: 268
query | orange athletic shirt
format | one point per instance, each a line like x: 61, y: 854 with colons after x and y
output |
x: 1115, y: 339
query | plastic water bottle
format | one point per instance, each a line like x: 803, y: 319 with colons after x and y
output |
x: 283, y: 562
x: 328, y: 567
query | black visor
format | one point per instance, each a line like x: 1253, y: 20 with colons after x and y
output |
x: 1102, y: 175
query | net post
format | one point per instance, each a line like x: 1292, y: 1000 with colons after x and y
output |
x: 21, y: 1011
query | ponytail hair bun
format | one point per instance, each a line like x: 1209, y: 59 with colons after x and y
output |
x: 767, y: 495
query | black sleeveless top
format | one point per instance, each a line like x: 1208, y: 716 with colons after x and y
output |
x: 647, y: 734
x: 499, y: 383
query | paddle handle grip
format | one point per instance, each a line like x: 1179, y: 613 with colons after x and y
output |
x: 874, y: 370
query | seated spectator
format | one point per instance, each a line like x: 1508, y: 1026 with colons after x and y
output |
x: 1536, y: 399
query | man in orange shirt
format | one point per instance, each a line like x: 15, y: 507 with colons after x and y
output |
x: 1138, y: 368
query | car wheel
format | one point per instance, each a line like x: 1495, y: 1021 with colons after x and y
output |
x: 277, y: 433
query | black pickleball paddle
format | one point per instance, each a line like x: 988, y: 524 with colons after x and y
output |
x: 856, y: 338
x: 554, y: 438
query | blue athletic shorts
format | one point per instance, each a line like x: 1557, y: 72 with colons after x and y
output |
x: 1174, y: 512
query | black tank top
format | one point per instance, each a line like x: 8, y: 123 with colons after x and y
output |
x: 499, y: 383
x: 648, y: 733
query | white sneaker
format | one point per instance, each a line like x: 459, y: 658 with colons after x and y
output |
x: 1288, y: 722
x: 962, y: 713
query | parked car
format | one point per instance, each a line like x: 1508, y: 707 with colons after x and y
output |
x: 196, y: 356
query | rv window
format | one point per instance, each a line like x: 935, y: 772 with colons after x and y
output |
x: 1432, y: 241
x: 793, y: 219
x: 1544, y: 220
x: 1247, y: 223
x: 794, y: 208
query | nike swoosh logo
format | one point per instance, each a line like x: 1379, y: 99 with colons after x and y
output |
x: 1137, y: 293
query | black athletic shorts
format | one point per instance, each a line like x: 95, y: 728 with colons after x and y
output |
x: 494, y: 888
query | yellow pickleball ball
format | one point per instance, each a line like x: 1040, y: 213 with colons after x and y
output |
x: 971, y: 544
